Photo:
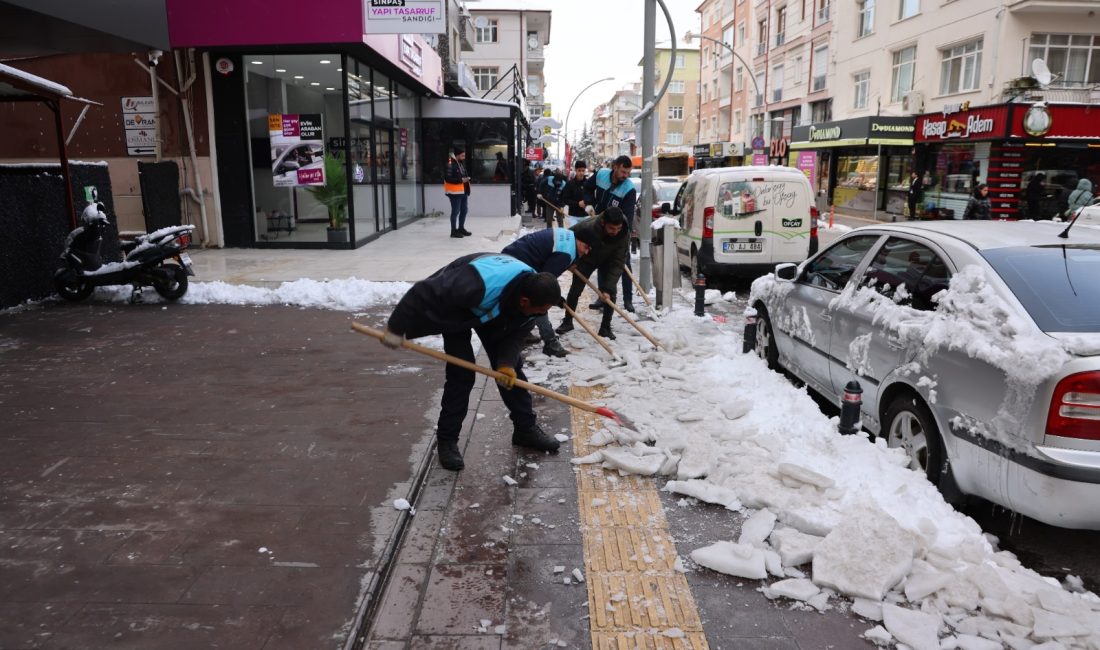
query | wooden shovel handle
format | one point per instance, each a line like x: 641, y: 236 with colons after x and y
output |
x: 552, y: 205
x: 626, y: 270
x: 617, y: 309
x: 462, y: 363
x: 588, y: 328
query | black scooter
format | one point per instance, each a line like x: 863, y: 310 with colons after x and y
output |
x: 145, y: 260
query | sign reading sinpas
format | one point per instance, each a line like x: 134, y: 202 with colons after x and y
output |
x: 404, y: 17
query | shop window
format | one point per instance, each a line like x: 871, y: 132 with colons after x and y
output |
x: 1073, y: 58
x: 956, y: 170
x: 481, y: 139
x: 866, y: 17
x: 861, y: 82
x: 487, y: 33
x: 961, y: 68
x: 904, y: 65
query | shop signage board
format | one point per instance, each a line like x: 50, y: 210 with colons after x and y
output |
x: 964, y: 122
x: 297, y: 149
x: 701, y: 150
x: 856, y: 132
x: 412, y: 55
x: 139, y: 124
x: 404, y: 17
x: 533, y: 153
x: 805, y: 161
x: 760, y: 159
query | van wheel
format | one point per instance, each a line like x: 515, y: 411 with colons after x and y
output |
x: 765, y: 339
x: 909, y: 424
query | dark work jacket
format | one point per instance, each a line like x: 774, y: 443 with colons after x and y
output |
x: 609, y: 255
x: 550, y: 250
x: 599, y: 194
x: 551, y: 188
x: 478, y: 291
x: 977, y: 208
x: 572, y: 195
x: 916, y: 188
x: 456, y: 171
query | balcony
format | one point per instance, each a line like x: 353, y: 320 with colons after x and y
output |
x: 818, y: 83
x: 1051, y: 6
x: 823, y: 15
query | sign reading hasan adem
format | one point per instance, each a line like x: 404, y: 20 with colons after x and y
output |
x: 404, y: 17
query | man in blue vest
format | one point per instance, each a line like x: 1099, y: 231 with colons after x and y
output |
x: 607, y: 188
x: 552, y: 251
x: 495, y: 296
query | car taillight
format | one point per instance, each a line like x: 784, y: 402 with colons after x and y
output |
x: 708, y: 223
x: 1075, y: 407
x: 184, y: 239
x: 814, y: 216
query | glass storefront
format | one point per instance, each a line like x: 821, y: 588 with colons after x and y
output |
x: 485, y: 141
x: 856, y: 182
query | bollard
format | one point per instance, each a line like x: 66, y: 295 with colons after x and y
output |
x: 750, y: 331
x: 700, y: 294
x: 850, y: 404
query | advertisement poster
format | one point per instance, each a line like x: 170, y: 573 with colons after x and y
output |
x: 297, y: 149
x: 805, y: 161
x: 760, y: 159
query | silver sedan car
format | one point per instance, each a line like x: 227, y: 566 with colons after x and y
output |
x: 976, y: 345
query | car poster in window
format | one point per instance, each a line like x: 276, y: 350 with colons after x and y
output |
x: 297, y: 149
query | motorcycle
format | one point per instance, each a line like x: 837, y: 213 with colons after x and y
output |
x: 145, y: 260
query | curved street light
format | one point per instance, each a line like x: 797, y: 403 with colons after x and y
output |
x: 748, y: 68
x: 565, y: 129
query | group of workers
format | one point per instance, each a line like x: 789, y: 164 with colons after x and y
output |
x: 501, y: 296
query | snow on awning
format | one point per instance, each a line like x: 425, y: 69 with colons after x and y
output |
x: 16, y: 83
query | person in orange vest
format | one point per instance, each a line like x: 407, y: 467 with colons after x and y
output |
x: 456, y: 185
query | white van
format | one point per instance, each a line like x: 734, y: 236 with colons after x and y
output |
x: 742, y: 221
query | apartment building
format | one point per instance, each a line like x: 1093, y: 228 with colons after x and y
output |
x: 508, y: 57
x: 613, y: 123
x: 677, y: 125
x: 950, y: 89
x: 725, y: 94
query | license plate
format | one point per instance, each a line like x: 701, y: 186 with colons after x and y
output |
x: 742, y: 247
x: 186, y: 259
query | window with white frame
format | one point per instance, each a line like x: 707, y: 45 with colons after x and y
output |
x: 908, y: 8
x: 1075, y: 58
x: 485, y: 77
x: 760, y: 87
x: 904, y: 64
x: 737, y: 121
x: 741, y: 33
x: 821, y: 68
x: 676, y: 87
x: 679, y: 60
x: 780, y: 25
x: 777, y: 83
x: 674, y: 138
x: 865, y: 9
x: 739, y: 79
x: 488, y: 33
x: 675, y: 112
x: 714, y: 126
x: 961, y: 68
x: 796, y: 70
x: 727, y: 38
x: 861, y: 82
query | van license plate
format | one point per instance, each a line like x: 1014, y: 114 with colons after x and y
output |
x: 742, y: 247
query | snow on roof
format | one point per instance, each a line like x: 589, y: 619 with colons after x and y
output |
x: 507, y: 5
x: 38, y: 83
x: 985, y: 235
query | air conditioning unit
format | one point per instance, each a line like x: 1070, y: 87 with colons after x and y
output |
x: 912, y: 102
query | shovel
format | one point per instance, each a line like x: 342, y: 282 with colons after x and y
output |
x: 556, y: 208
x: 616, y: 360
x: 534, y: 388
x: 618, y: 309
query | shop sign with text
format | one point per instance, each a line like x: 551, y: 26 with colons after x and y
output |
x: 404, y: 17
x: 982, y: 123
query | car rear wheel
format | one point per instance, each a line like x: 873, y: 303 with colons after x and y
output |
x: 765, y: 339
x: 909, y: 424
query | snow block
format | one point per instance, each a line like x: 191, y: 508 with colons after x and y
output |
x: 795, y: 547
x: 915, y: 629
x: 918, y: 586
x: 756, y: 528
x: 805, y: 475
x: 865, y: 555
x: 732, y: 559
x: 794, y: 588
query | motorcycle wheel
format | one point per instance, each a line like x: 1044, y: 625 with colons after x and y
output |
x: 173, y: 283
x: 70, y: 287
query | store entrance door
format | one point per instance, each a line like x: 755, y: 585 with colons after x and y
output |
x: 383, y: 169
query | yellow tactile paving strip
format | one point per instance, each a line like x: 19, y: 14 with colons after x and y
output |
x: 637, y: 600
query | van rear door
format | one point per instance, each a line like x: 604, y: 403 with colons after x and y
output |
x: 790, y: 220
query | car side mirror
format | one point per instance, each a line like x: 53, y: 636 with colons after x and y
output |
x: 290, y: 164
x: 786, y: 272
x: 666, y: 208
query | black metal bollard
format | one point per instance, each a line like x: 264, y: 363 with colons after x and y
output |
x: 700, y: 294
x: 749, y: 343
x: 849, y: 408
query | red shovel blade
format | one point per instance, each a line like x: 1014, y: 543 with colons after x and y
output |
x: 615, y: 417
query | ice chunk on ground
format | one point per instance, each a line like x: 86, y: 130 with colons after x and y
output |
x: 706, y: 492
x: 794, y: 547
x: 868, y: 609
x: 878, y: 635
x: 756, y: 528
x: 971, y: 642
x: 403, y: 504
x: 865, y: 555
x: 1049, y: 625
x: 509, y: 480
x: 794, y: 588
x: 594, y: 457
x: 918, y: 630
x: 920, y: 585
x: 558, y: 568
x: 577, y: 575
x: 805, y: 475
x: 736, y: 409
x: 561, y: 437
x: 732, y: 559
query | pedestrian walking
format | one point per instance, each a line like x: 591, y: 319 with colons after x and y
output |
x: 495, y: 296
x: 1079, y: 197
x: 610, y: 249
x: 456, y: 185
x: 552, y: 251
x: 915, y: 193
x: 1034, y: 195
x: 978, y: 206
x: 612, y: 187
x: 527, y: 185
x: 573, y: 194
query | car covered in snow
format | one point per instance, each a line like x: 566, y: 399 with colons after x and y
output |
x: 976, y: 346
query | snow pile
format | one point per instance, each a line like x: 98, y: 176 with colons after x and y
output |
x: 829, y: 515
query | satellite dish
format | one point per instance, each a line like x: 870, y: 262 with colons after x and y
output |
x: 1041, y: 72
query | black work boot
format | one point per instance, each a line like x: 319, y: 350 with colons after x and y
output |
x: 456, y: 233
x: 566, y: 325
x: 628, y: 305
x: 596, y: 304
x: 605, y: 331
x: 449, y: 455
x: 532, y: 339
x: 533, y: 437
x: 553, y: 348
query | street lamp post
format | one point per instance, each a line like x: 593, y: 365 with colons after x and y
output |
x: 690, y: 35
x: 565, y: 130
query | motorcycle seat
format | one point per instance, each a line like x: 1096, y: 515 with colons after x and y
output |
x: 129, y: 246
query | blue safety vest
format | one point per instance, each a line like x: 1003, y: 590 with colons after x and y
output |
x: 496, y: 272
x: 603, y: 182
x: 565, y: 242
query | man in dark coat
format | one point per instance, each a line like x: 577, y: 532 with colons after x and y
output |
x: 979, y: 206
x: 573, y: 194
x: 612, y: 247
x: 611, y: 187
x: 527, y: 184
x: 1034, y: 195
x: 495, y: 296
x: 552, y: 250
x: 913, y: 196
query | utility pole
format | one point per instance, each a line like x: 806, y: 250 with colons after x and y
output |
x: 647, y: 135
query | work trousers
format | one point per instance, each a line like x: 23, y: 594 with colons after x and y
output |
x: 459, y: 382
x: 577, y: 287
x: 459, y: 205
